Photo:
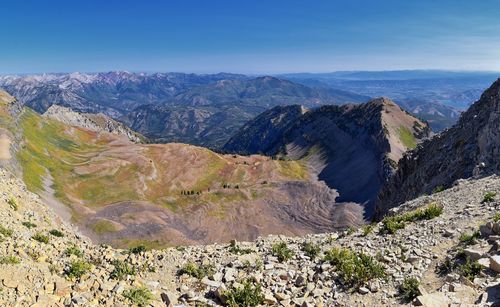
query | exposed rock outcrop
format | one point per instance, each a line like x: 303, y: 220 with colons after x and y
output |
x: 469, y: 148
x: 95, y: 122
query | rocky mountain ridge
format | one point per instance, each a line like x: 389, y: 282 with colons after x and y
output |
x: 362, y: 142
x: 469, y: 148
x: 94, y: 122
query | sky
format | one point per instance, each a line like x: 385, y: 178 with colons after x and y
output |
x: 272, y: 36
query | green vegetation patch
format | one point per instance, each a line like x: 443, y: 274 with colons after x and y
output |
x: 489, y: 197
x: 469, y: 239
x: 235, y: 249
x: 29, y: 225
x: 407, y: 137
x: 282, y: 252
x: 77, y: 269
x: 310, y: 249
x: 6, y: 232
x: 41, y: 238
x: 409, y: 289
x: 392, y: 224
x: 103, y: 226
x: 354, y: 269
x: 73, y: 250
x: 249, y: 295
x: 197, y: 271
x: 56, y: 233
x: 121, y: 270
x: 139, y: 296
x: 9, y: 260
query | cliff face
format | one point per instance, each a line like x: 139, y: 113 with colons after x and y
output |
x: 353, y: 148
x: 469, y: 148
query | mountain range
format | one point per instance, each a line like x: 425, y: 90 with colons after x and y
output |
x: 173, y: 107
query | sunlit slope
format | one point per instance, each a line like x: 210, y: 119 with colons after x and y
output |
x: 124, y: 193
x: 97, y: 169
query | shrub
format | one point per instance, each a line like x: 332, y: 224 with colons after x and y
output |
x: 73, y: 250
x: 392, y: 224
x: 367, y: 229
x: 353, y: 268
x: 350, y: 230
x: 496, y: 217
x: 249, y: 296
x: 310, y: 249
x: 198, y: 271
x: 138, y: 296
x: 13, y: 203
x: 41, y: 238
x: 56, y: 233
x: 489, y: 197
x: 77, y: 269
x: 282, y: 251
x: 469, y: 239
x: 9, y: 260
x: 409, y: 289
x: 470, y: 269
x: 29, y: 225
x: 137, y: 249
x: 235, y: 249
x: 438, y: 189
x: 5, y: 231
x: 122, y: 269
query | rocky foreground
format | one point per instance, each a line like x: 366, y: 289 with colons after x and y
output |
x: 441, y: 260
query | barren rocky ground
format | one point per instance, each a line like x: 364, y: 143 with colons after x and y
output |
x: 46, y: 262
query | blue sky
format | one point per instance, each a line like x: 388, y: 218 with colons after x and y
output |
x: 272, y: 36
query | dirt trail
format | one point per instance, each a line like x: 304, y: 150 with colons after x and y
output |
x: 4, y: 147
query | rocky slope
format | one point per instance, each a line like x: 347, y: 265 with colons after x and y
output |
x: 353, y: 148
x: 45, y: 262
x: 94, y: 122
x: 469, y: 148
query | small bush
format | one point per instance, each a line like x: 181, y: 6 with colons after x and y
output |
x: 353, y: 268
x: 5, y: 231
x: 198, y: 271
x: 489, y: 197
x: 249, y: 296
x: 310, y: 249
x: 469, y: 239
x: 73, y: 250
x: 445, y: 267
x: 409, y: 289
x: 438, y: 189
x: 470, y: 269
x: 350, y: 230
x: 137, y: 249
x: 122, y: 269
x: 138, y: 296
x: 367, y: 229
x: 496, y: 217
x: 235, y: 249
x: 56, y: 233
x: 282, y: 251
x: 392, y: 224
x: 77, y: 269
x: 13, y: 203
x: 41, y: 238
x: 29, y: 225
x: 9, y: 260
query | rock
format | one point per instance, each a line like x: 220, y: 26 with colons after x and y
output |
x: 449, y: 233
x: 363, y: 290
x: 436, y: 299
x: 495, y: 263
x: 484, y: 262
x: 473, y: 254
x: 210, y: 283
x: 269, y: 299
x: 168, y: 299
x: 300, y: 281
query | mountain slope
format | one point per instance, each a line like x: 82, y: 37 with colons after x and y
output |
x: 72, y: 270
x: 353, y: 148
x: 469, y: 148
x: 122, y: 193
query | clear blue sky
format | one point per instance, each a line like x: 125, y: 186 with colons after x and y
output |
x: 254, y: 36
